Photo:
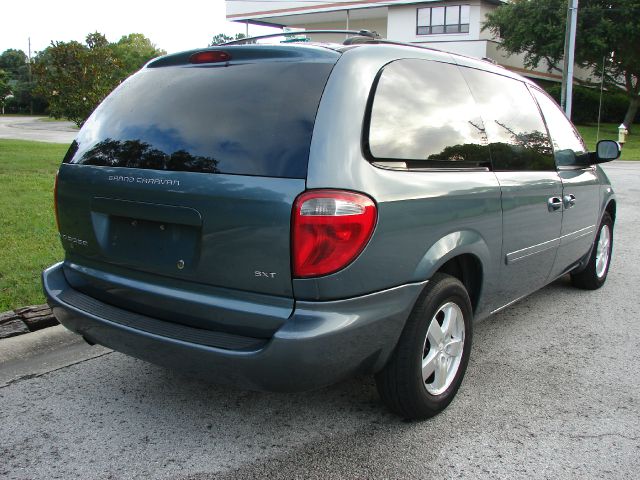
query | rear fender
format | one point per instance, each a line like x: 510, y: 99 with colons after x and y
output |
x: 449, y: 246
x: 453, y: 245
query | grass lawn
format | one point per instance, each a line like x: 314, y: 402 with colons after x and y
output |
x: 28, y: 235
x: 609, y: 131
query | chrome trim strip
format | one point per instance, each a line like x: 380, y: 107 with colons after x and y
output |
x: 523, y: 253
x: 570, y: 237
x: 509, y: 304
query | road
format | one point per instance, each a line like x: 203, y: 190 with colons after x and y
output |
x: 34, y: 128
x: 552, y: 391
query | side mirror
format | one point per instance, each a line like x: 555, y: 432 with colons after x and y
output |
x: 607, y: 150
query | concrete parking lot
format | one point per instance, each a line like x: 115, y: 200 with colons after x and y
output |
x: 37, y: 129
x: 552, y: 391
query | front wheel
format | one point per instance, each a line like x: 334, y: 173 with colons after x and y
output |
x: 595, y: 273
x: 429, y: 362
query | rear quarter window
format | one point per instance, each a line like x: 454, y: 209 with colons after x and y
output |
x: 422, y: 113
x: 247, y: 118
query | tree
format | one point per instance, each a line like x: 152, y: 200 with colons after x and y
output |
x: 76, y: 77
x: 133, y: 51
x: 15, y: 63
x: 606, y: 29
x: 220, y: 38
x: 5, y: 89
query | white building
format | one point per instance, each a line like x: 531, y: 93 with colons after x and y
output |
x: 451, y: 25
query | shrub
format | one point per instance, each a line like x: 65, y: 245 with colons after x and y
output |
x: 586, y: 100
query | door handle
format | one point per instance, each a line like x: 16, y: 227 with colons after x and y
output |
x: 569, y: 200
x: 554, y: 203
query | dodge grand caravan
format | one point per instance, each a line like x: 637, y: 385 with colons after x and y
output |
x: 284, y: 216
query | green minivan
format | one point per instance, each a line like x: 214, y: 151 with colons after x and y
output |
x: 284, y: 216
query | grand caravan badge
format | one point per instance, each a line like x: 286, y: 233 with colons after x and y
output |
x: 143, y: 180
x: 74, y: 240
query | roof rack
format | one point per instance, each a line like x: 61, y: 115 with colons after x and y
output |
x: 359, y: 37
x: 360, y: 33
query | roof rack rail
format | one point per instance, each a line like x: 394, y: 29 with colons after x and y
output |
x: 248, y: 40
x: 384, y: 41
x: 359, y: 37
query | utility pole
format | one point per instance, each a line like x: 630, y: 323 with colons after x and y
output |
x: 30, y: 81
x: 348, y: 26
x: 569, y: 51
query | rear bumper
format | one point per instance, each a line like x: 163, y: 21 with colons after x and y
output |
x: 320, y: 344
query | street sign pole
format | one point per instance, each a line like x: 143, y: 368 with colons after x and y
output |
x: 569, y: 54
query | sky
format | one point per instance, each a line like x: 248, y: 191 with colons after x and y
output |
x: 172, y: 26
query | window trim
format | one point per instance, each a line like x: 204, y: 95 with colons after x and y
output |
x: 444, y: 25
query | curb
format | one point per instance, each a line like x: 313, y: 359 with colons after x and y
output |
x: 25, y: 320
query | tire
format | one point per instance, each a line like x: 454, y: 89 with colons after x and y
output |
x: 595, y: 273
x: 400, y: 383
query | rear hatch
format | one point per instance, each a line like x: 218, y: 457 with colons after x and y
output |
x: 184, y: 179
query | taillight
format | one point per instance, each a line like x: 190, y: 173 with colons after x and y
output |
x: 329, y: 230
x: 55, y: 201
x: 210, y: 56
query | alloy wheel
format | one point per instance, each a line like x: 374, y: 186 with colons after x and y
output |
x: 443, y: 348
x: 603, y: 249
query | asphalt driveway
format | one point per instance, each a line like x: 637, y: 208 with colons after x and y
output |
x: 552, y: 391
x: 34, y: 128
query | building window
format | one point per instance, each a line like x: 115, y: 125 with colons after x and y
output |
x: 438, y: 20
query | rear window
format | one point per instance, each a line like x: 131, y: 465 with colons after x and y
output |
x: 247, y: 119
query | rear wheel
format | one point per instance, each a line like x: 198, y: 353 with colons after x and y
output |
x: 595, y: 273
x: 429, y: 362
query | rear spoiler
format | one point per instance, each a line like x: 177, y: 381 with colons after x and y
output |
x: 247, y: 53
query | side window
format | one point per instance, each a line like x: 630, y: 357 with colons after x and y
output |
x: 423, y: 114
x: 516, y: 133
x: 569, y: 149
